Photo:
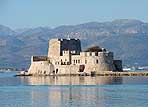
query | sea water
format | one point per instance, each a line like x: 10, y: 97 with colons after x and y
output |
x: 73, y: 91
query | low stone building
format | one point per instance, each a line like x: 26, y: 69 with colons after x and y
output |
x: 65, y: 57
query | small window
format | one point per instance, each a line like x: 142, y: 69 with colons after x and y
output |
x: 96, y: 53
x: 56, y: 71
x: 78, y: 61
x: 97, y: 61
x: 85, y: 61
x: 90, y: 54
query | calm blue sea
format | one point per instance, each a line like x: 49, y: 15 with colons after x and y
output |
x: 73, y: 91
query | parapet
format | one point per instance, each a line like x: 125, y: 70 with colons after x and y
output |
x: 68, y: 39
x: 55, y: 39
x: 96, y: 54
x: 39, y: 58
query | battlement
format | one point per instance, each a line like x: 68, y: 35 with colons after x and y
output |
x: 69, y: 39
x: 39, y: 58
x: 96, y: 54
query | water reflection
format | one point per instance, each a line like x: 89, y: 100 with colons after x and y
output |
x: 44, y: 92
x: 71, y: 80
x: 76, y: 96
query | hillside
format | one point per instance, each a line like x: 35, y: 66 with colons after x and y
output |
x: 128, y: 39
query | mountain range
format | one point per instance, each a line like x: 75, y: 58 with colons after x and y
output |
x: 127, y: 38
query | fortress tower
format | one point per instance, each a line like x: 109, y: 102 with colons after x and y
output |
x: 56, y: 46
x: 66, y: 58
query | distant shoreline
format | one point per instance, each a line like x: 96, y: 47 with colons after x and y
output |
x: 1, y: 71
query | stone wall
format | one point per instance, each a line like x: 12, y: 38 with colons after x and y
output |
x: 41, y: 68
x: 54, y: 48
x: 67, y: 69
x: 65, y: 57
x: 102, y: 61
x: 45, y: 68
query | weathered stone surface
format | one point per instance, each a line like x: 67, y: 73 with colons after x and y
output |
x: 41, y: 68
x: 65, y: 58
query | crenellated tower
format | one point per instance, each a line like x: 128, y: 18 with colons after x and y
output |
x: 57, y: 46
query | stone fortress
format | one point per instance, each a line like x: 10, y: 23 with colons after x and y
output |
x: 65, y: 57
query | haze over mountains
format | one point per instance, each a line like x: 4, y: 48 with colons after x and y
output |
x: 127, y: 38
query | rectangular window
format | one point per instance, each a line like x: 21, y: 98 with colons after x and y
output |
x: 97, y: 61
x: 85, y: 61
x: 78, y: 61
x: 96, y: 53
x: 90, y: 54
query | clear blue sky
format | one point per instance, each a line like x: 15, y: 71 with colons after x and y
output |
x: 52, y: 13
